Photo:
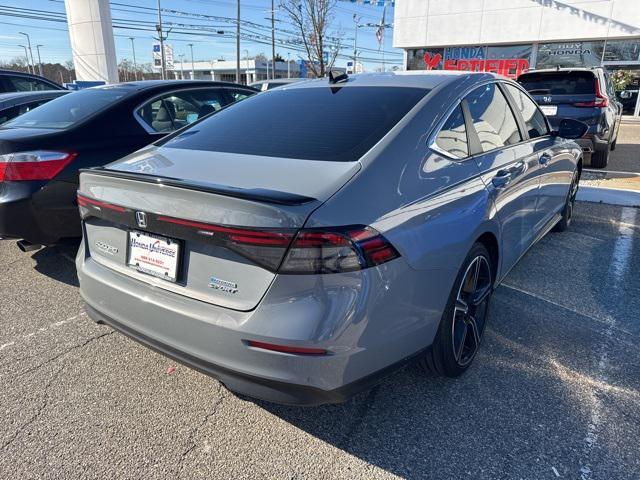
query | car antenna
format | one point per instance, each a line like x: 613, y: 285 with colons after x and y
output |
x: 337, y: 77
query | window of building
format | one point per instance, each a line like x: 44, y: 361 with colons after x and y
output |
x: 452, y: 137
x: 533, y: 118
x: 492, y: 118
x: 570, y: 54
x: 622, y: 51
x: 425, y: 59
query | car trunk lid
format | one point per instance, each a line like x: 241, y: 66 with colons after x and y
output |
x: 232, y: 217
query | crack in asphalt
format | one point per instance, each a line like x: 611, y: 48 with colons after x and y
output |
x: 44, y: 404
x: 194, y: 431
x: 53, y: 378
x: 62, y: 354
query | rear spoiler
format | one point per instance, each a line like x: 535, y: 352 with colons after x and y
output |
x: 256, y: 194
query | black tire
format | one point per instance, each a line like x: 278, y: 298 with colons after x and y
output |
x: 600, y: 158
x: 613, y: 145
x: 442, y: 358
x: 567, y: 211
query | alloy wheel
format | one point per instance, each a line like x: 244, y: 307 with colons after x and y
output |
x: 470, y: 311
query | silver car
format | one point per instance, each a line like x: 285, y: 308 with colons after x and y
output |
x: 365, y: 226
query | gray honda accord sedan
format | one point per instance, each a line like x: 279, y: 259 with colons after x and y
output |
x: 304, y: 242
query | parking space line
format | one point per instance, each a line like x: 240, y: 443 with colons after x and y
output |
x: 41, y: 329
x: 617, y: 270
x: 607, y: 321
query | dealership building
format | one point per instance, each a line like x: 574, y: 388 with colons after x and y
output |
x: 511, y: 36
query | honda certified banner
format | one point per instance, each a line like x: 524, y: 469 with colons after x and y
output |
x: 509, y: 61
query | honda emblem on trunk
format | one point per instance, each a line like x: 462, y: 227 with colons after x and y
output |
x: 141, y: 219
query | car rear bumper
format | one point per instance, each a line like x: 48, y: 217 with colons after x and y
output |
x: 364, y: 342
x: 592, y: 143
x: 38, y: 212
x: 253, y: 386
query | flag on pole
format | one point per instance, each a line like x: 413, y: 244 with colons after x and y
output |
x: 380, y: 30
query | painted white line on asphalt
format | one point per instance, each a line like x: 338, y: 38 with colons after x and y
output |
x: 604, y: 320
x: 610, y: 196
x: 42, y: 329
x: 605, y: 172
x: 617, y: 271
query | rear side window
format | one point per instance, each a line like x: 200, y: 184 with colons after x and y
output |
x: 559, y: 83
x: 531, y: 114
x: 178, y: 109
x: 452, y: 137
x: 338, y: 124
x: 492, y: 118
x: 26, y: 84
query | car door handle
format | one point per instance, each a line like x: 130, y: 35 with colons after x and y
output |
x: 544, y: 160
x: 502, y: 178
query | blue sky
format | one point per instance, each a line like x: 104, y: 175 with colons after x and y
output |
x: 134, y: 13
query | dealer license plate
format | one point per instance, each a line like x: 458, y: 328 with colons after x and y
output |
x: 154, y: 255
x: 549, y: 110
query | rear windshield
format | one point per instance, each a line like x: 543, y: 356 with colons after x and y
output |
x: 559, y: 83
x: 68, y: 110
x: 334, y: 124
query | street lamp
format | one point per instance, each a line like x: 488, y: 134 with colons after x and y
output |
x: 39, y: 60
x: 181, y: 66
x: 30, y: 51
x: 135, y: 66
x: 288, y: 64
x: 193, y: 73
x: 26, y: 55
x: 246, y: 72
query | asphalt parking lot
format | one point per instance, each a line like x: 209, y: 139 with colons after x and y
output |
x: 555, y: 392
x: 625, y: 157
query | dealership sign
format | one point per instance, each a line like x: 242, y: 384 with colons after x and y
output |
x: 475, y: 62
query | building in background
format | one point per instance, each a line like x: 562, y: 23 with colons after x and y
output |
x: 91, y: 38
x: 510, y: 36
x: 251, y: 70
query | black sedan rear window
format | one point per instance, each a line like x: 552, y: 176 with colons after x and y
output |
x: 334, y: 124
x: 70, y: 109
x: 559, y: 83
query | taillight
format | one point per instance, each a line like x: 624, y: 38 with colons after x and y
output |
x: 334, y: 251
x: 309, y: 251
x: 600, y: 101
x: 36, y: 165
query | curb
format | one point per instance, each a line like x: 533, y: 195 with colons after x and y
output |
x: 611, y: 196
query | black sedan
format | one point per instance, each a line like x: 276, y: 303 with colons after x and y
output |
x: 14, y: 104
x: 42, y: 150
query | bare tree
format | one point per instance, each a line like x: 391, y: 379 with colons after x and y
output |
x: 312, y: 19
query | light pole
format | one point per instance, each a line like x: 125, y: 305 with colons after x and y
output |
x: 181, y: 66
x: 238, y: 44
x: 193, y: 72
x: 273, y: 40
x: 246, y: 72
x: 26, y: 55
x: 135, y: 65
x: 288, y: 64
x: 39, y: 60
x: 356, y: 21
x: 30, y: 51
x: 161, y: 38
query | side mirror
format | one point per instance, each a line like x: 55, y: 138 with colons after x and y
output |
x: 571, y: 129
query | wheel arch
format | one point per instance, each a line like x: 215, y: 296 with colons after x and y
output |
x: 490, y: 242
